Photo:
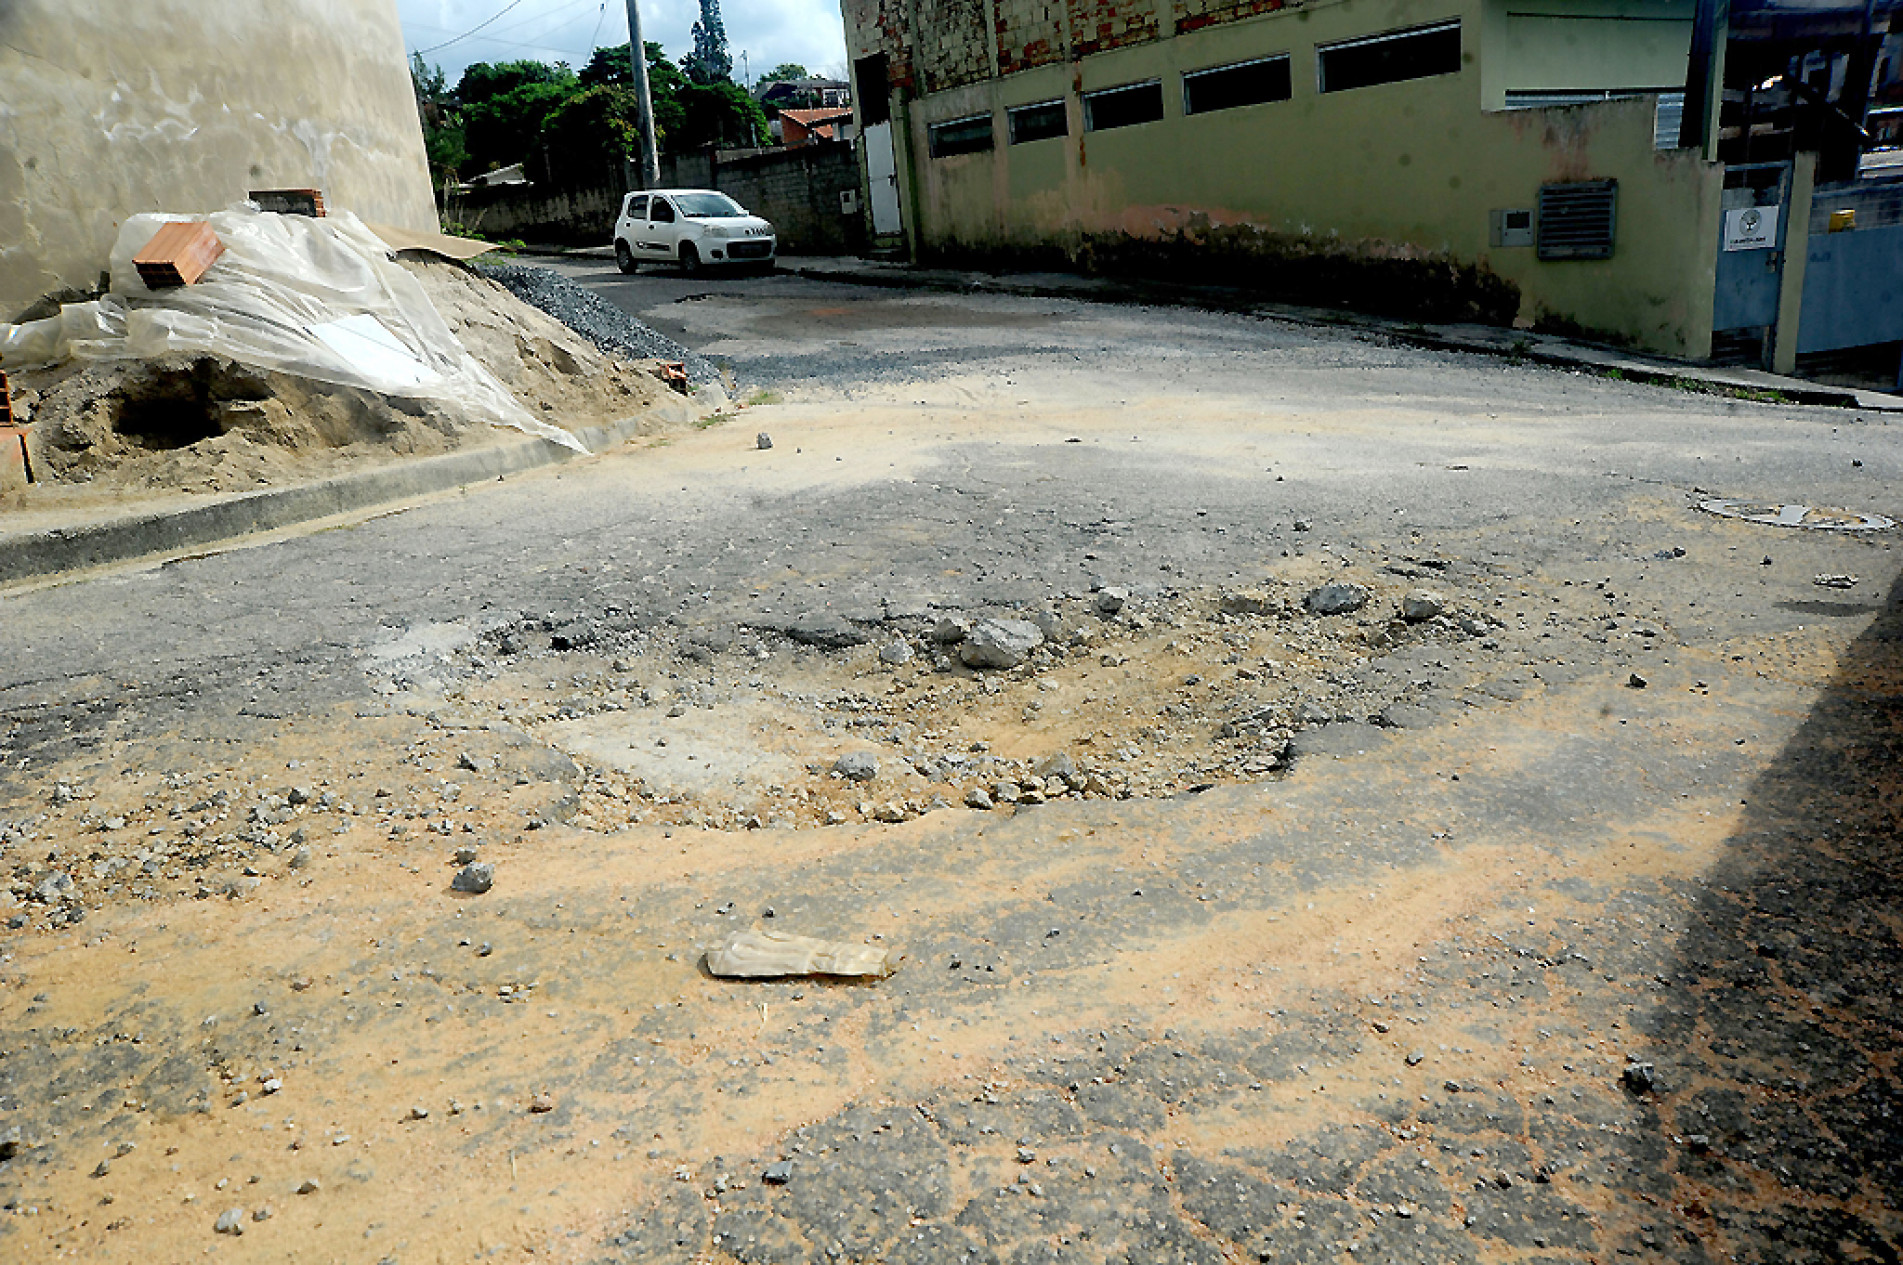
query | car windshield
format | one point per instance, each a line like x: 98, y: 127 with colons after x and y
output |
x: 709, y: 206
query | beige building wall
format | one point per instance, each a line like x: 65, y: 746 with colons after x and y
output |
x: 112, y: 107
x: 1401, y: 170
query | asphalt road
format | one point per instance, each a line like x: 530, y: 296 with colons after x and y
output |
x: 1391, y: 1005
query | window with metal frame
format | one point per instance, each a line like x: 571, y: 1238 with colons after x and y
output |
x: 1124, y: 106
x: 1578, y: 220
x: 1392, y: 57
x: 1244, y: 83
x: 969, y: 135
x: 637, y: 206
x: 1038, y: 122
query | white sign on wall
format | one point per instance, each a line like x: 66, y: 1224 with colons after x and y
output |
x: 1751, y: 228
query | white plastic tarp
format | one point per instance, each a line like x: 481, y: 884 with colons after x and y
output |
x: 320, y: 298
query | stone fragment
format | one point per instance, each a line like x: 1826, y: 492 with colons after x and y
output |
x: 1111, y: 600
x: 950, y: 629
x: 763, y: 441
x: 1339, y: 598
x: 1061, y: 766
x: 230, y: 1221
x: 857, y: 766
x: 1419, y: 605
x: 826, y: 632
x: 778, y: 1173
x: 1245, y: 602
x: 1000, y: 643
x: 477, y: 877
x: 1640, y: 1078
x: 895, y: 653
x: 977, y: 797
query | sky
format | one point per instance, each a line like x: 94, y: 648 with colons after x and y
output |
x: 769, y: 32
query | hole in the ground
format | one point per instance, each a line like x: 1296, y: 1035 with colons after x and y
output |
x: 164, y: 422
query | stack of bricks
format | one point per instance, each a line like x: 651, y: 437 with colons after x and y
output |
x: 290, y: 201
x: 178, y: 254
x: 16, y: 470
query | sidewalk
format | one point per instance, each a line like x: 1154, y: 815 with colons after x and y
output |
x: 1543, y: 349
x: 38, y: 544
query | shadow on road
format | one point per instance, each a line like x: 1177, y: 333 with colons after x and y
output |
x: 1779, y: 1107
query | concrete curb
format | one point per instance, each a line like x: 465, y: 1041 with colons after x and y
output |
x: 1551, y: 353
x: 37, y: 555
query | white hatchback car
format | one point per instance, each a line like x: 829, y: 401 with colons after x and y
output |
x: 692, y: 227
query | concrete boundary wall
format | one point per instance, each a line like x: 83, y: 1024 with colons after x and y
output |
x: 112, y: 107
x: 796, y: 188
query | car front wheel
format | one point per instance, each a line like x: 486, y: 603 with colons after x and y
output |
x: 690, y: 259
x: 624, y: 258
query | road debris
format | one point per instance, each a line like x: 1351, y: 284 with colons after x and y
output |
x: 757, y: 954
x: 1835, y: 581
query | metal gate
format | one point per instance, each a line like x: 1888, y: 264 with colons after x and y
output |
x: 1751, y: 253
x: 1853, y: 271
x: 882, y: 178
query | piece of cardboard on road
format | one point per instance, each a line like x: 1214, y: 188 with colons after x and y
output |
x: 460, y: 249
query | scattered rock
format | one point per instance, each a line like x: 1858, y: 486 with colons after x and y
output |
x: 826, y: 632
x: 1635, y: 681
x: 466, y: 854
x: 857, y: 766
x: 1339, y: 598
x: 477, y: 877
x: 763, y: 441
x: 1062, y: 766
x: 1245, y: 602
x: 1111, y: 600
x: 1835, y: 581
x: 1000, y: 643
x: 977, y: 797
x: 51, y: 888
x: 230, y: 1221
x: 778, y: 1174
x: 309, y: 1186
x: 1419, y: 605
x: 1640, y: 1078
x: 950, y: 629
x: 896, y: 654
x: 1414, y: 1058
x: 541, y: 1104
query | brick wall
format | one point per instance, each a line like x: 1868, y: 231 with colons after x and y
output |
x: 957, y: 43
x: 798, y: 189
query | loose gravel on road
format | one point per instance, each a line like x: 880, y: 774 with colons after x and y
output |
x: 600, y: 322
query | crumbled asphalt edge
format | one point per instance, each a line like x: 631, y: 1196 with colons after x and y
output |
x: 597, y: 320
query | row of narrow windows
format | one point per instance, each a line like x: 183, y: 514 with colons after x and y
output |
x: 1414, y: 53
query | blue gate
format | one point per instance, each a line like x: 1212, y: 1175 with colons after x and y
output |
x: 1751, y: 248
x: 1853, y: 272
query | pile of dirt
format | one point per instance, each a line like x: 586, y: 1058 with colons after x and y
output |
x: 206, y: 424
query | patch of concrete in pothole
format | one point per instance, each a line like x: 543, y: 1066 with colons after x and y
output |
x: 727, y: 750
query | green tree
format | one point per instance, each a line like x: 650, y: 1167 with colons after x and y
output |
x: 785, y: 70
x: 442, y: 123
x: 504, y: 107
x: 721, y: 114
x: 710, y: 62
x: 587, y: 137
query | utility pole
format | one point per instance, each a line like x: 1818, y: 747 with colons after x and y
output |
x: 644, y: 101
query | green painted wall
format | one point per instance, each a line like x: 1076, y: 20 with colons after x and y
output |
x: 1529, y: 45
x: 1404, y: 169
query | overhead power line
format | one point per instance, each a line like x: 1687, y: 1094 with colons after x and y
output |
x: 471, y: 31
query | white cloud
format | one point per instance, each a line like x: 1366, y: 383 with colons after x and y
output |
x: 767, y: 31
